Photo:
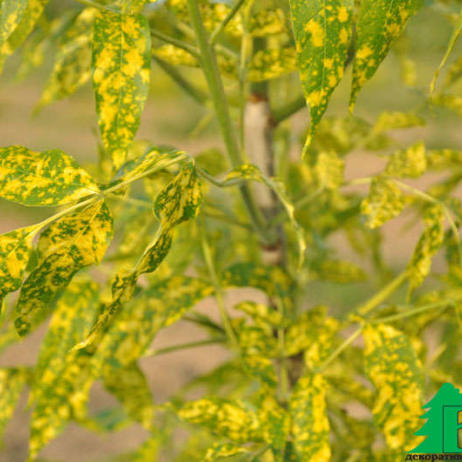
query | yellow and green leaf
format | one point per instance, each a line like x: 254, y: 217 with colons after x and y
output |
x: 15, y: 248
x: 121, y: 75
x: 379, y: 24
x: 408, y: 163
x: 46, y: 178
x: 310, y: 426
x: 68, y: 245
x: 393, y: 367
x: 322, y: 31
x: 10, y: 16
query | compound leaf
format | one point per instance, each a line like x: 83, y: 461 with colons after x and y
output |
x: 393, y: 367
x: 380, y: 23
x: 322, y: 32
x: 46, y: 178
x: 68, y: 245
x: 121, y: 74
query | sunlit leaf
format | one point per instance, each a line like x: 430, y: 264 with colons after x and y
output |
x: 408, y: 163
x: 380, y: 23
x: 68, y: 245
x: 322, y: 32
x: 42, y: 178
x: 392, y: 366
x: 121, y: 75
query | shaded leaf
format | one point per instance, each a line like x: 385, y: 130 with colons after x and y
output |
x: 384, y: 202
x: 45, y: 178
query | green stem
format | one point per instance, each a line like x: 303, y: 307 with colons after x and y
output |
x: 283, y: 113
x: 195, y: 93
x: 182, y: 346
x: 178, y: 43
x: 221, y: 27
x: 217, y: 91
x: 381, y: 296
x: 218, y: 292
x: 340, y: 349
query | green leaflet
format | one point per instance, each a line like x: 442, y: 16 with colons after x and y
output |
x: 27, y: 23
x: 429, y: 243
x: 59, y: 390
x: 12, y: 382
x: 384, y: 202
x: 121, y: 74
x: 46, y: 178
x: 225, y: 418
x: 262, y: 315
x: 128, y: 384
x: 322, y: 31
x: 408, y: 163
x: 310, y: 427
x: 73, y: 61
x: 440, y: 159
x: 380, y: 23
x: 68, y: 245
x: 10, y: 16
x: 178, y: 202
x: 392, y: 366
x: 271, y: 64
x: 15, y: 248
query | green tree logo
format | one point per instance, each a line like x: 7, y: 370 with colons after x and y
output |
x: 444, y: 422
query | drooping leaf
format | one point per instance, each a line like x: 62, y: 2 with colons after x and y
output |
x: 12, y: 382
x: 310, y: 426
x: 29, y: 18
x: 128, y: 384
x: 15, y: 248
x: 60, y: 389
x: 11, y: 14
x: 408, y: 163
x: 322, y: 32
x: 384, y: 202
x: 68, y: 245
x: 46, y: 178
x: 380, y: 23
x: 121, y: 74
x: 429, y: 243
x: 225, y: 418
x: 393, y: 367
x: 72, y: 67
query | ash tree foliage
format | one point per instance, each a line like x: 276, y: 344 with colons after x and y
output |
x: 134, y: 241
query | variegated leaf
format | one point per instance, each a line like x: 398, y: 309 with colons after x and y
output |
x: 15, y: 248
x: 68, y: 245
x: 29, y: 18
x: 271, y: 64
x: 322, y: 32
x: 380, y: 23
x: 429, y: 243
x: 73, y: 61
x: 384, y: 202
x: 46, y: 178
x: 394, y: 120
x: 225, y: 418
x: 223, y: 451
x: 408, y: 163
x: 121, y: 75
x: 12, y: 382
x: 310, y: 426
x: 394, y: 369
x: 11, y: 14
